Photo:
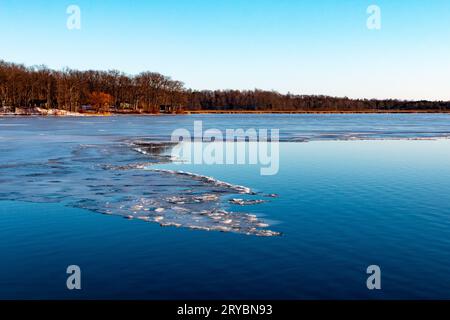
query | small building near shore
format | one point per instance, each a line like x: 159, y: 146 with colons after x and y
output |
x: 86, y: 108
x: 7, y: 109
x: 167, y: 109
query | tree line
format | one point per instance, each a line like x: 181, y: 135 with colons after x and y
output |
x: 150, y: 92
x: 72, y: 90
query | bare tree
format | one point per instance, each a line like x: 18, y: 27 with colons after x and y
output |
x: 150, y: 92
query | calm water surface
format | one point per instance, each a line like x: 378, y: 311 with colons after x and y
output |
x: 363, y: 190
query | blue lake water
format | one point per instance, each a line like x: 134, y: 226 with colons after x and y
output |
x: 353, y: 191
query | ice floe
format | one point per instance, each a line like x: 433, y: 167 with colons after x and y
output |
x: 112, y: 179
x: 242, y: 202
x: 208, y: 180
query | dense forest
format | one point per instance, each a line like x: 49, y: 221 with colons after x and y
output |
x: 149, y: 92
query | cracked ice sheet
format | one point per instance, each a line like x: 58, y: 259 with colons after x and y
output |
x: 117, y: 179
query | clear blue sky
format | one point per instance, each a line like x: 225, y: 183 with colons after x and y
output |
x: 306, y: 47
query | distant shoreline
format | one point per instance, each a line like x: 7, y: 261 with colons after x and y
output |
x: 314, y: 112
x: 43, y: 91
x: 63, y: 113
